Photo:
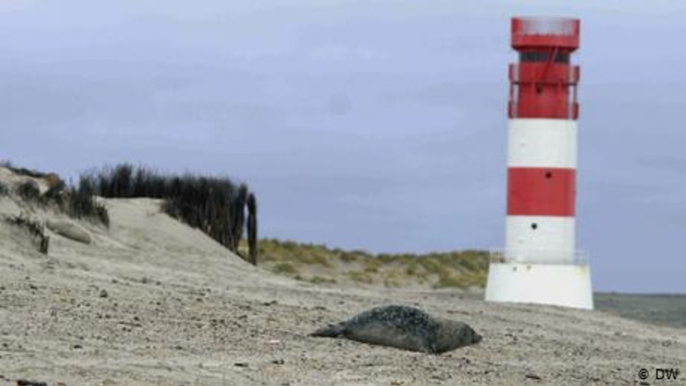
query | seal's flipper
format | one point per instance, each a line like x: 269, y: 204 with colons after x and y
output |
x: 330, y: 331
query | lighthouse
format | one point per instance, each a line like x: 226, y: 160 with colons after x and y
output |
x: 540, y: 263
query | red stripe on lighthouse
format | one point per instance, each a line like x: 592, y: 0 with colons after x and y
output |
x: 541, y: 192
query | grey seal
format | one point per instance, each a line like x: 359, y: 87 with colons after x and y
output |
x: 403, y: 327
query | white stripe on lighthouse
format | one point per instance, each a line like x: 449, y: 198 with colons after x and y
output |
x: 540, y: 239
x: 538, y: 142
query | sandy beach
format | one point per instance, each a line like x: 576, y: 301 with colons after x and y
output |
x: 153, y: 302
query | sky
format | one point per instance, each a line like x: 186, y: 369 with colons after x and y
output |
x: 377, y: 125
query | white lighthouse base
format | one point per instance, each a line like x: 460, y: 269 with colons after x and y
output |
x: 554, y: 284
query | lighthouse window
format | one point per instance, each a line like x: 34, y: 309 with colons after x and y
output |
x: 538, y: 56
x: 548, y: 175
x: 534, y: 226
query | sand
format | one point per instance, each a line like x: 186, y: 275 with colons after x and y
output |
x: 152, y: 302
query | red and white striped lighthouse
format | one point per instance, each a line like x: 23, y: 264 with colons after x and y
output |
x: 540, y: 263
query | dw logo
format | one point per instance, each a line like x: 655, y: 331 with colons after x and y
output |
x: 666, y: 374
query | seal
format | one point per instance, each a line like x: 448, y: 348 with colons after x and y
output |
x: 403, y: 327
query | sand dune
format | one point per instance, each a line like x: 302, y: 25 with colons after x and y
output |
x: 152, y: 302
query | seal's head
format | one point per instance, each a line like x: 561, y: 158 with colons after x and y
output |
x: 451, y: 334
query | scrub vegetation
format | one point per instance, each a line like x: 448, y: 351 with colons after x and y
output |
x: 75, y: 201
x: 218, y: 207
x: 23, y: 171
x: 222, y: 209
x: 319, y: 264
x: 35, y: 230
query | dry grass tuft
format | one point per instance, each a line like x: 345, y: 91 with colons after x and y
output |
x: 34, y: 229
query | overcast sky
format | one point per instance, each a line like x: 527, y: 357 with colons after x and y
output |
x: 360, y: 124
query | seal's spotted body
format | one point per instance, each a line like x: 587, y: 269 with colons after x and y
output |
x: 403, y: 327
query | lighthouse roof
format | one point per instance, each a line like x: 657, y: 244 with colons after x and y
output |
x: 545, y: 32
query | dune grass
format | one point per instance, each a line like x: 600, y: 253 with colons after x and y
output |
x: 462, y: 269
x: 35, y: 229
x: 81, y: 202
x: 286, y: 268
x: 74, y: 201
x: 29, y: 191
x: 216, y: 206
x: 23, y: 171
